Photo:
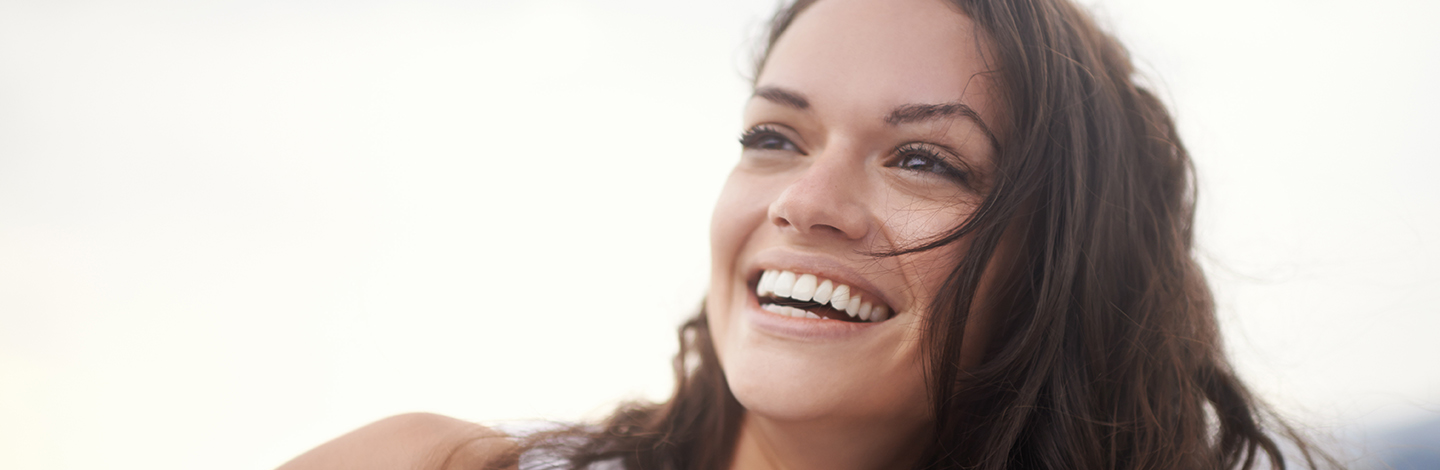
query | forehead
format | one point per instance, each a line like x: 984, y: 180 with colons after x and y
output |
x: 866, y: 56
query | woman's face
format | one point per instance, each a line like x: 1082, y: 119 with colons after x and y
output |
x: 866, y: 133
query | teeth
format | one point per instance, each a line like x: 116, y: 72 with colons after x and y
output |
x: 840, y: 297
x: 811, y: 288
x: 822, y: 293
x: 767, y: 284
x: 804, y: 289
x: 784, y: 283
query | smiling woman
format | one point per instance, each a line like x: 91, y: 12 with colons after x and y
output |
x: 958, y: 236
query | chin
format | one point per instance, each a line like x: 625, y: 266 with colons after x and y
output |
x: 787, y: 388
x: 785, y: 382
x: 859, y: 378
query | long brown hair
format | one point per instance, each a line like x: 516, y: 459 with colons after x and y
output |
x: 1107, y: 355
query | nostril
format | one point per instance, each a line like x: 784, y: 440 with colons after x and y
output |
x: 823, y: 228
x: 812, y: 229
x: 816, y: 209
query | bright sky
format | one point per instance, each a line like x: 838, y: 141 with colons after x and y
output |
x: 230, y: 230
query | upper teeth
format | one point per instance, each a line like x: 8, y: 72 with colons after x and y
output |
x: 808, y: 288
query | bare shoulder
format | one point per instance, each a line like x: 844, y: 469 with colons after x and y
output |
x: 418, y: 441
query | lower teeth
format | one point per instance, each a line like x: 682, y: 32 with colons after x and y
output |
x: 802, y: 313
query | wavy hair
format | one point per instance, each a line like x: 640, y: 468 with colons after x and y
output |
x: 1108, y: 356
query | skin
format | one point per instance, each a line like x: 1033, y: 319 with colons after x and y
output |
x: 832, y: 179
x: 861, y: 166
x: 412, y: 441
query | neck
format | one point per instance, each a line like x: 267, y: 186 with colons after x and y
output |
x: 768, y: 444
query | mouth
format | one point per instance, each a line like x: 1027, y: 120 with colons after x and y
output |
x: 803, y: 295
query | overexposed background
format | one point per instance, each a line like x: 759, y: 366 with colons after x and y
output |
x: 230, y: 230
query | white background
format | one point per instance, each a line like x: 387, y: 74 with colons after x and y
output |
x: 230, y: 230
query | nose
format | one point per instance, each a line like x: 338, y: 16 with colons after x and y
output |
x: 825, y: 200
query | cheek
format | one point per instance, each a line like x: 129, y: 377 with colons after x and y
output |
x: 739, y: 213
x: 911, y: 219
x: 928, y: 272
x: 921, y: 222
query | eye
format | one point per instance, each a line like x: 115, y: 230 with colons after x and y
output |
x: 765, y: 137
x: 920, y: 157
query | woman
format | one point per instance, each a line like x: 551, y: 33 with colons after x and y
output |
x: 958, y: 237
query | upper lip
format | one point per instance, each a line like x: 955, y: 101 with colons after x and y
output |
x: 821, y: 266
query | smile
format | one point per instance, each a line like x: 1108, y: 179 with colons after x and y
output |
x: 808, y: 296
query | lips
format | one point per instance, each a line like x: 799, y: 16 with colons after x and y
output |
x: 804, y: 295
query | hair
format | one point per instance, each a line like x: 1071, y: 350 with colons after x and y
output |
x: 1108, y: 356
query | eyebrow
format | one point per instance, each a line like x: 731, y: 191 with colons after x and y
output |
x: 911, y: 113
x: 903, y: 114
x: 784, y: 97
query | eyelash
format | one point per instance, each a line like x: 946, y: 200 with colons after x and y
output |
x: 753, y: 138
x: 756, y: 138
x: 936, y: 164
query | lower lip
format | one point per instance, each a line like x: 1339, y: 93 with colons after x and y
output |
x: 802, y: 328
